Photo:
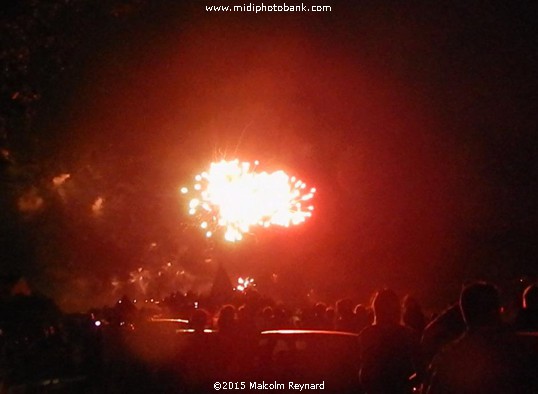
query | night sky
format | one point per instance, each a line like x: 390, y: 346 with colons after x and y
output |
x: 416, y: 122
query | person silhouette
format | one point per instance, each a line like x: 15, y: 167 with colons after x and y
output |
x: 445, y: 328
x: 227, y: 319
x: 488, y: 357
x: 389, y: 350
x: 345, y: 318
x: 412, y: 316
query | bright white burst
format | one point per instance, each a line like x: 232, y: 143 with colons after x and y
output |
x: 232, y: 197
x: 244, y: 283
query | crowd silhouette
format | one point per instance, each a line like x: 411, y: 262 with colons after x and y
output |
x: 471, y: 347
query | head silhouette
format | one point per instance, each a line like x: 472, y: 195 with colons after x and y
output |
x: 344, y: 307
x: 480, y: 305
x: 199, y: 319
x: 227, y: 317
x: 386, y: 307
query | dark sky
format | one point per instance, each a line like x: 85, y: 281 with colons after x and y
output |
x: 416, y: 123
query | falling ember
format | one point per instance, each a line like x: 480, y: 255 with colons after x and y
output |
x: 97, y: 206
x: 140, y: 277
x: 244, y: 283
x: 60, y: 179
x: 233, y: 197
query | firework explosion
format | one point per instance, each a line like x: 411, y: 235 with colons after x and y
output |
x: 244, y: 283
x: 233, y: 197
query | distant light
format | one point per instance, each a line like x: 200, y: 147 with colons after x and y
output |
x: 97, y: 323
x: 184, y: 190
